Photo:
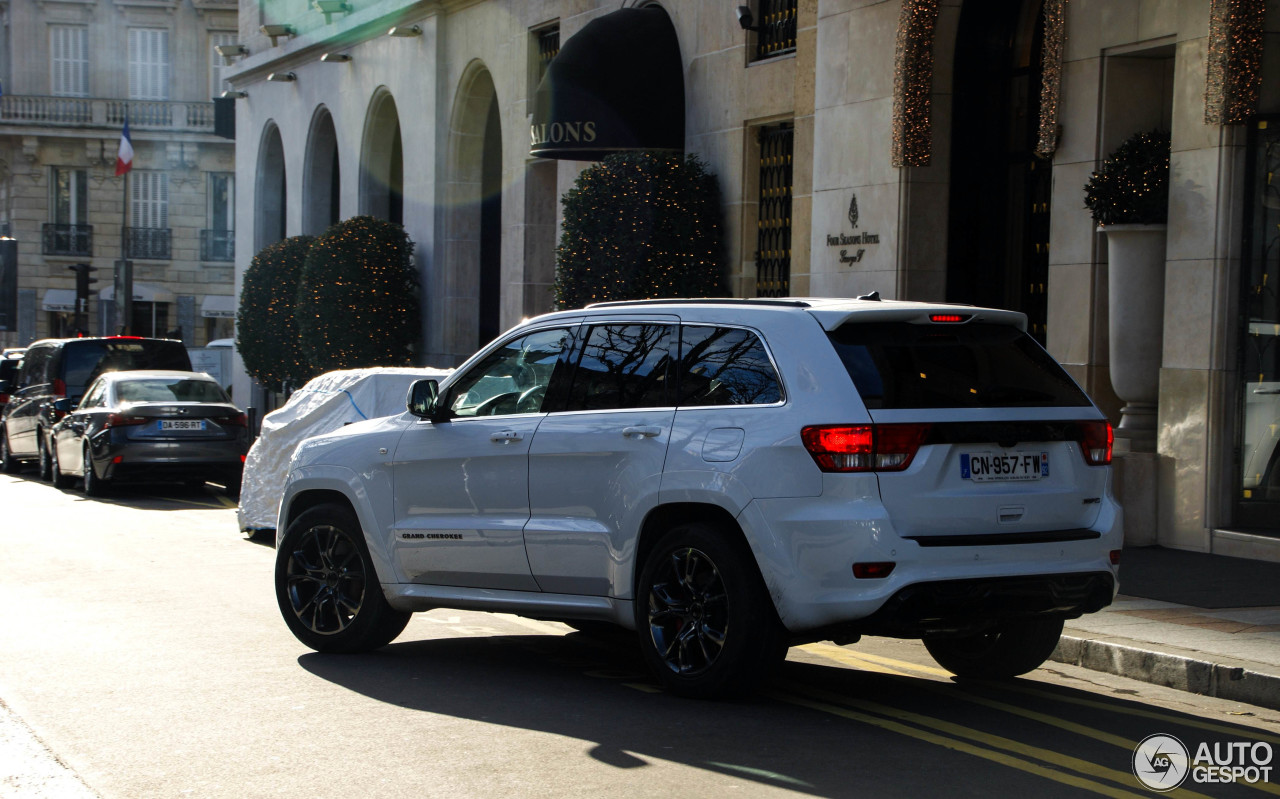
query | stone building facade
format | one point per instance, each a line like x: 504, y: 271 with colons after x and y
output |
x: 924, y: 149
x: 72, y: 71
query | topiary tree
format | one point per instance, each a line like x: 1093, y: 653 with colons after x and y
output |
x: 266, y: 329
x: 1132, y: 187
x: 641, y: 225
x: 357, y: 301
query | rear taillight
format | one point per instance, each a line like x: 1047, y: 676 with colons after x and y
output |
x: 864, y: 448
x: 4, y: 398
x: 59, y: 387
x: 1095, y: 440
x: 238, y: 420
x: 120, y: 420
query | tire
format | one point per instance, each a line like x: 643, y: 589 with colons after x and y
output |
x: 1013, y: 649
x: 706, y: 623
x: 94, y: 486
x: 56, y: 476
x: 326, y: 586
x: 8, y: 463
x: 42, y: 448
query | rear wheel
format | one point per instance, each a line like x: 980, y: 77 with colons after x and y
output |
x: 8, y: 463
x: 1014, y: 648
x: 707, y: 625
x: 326, y: 586
x: 94, y: 486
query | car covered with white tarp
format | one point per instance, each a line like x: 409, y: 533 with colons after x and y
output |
x: 324, y: 404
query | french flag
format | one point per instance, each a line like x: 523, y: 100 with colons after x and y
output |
x: 124, y: 158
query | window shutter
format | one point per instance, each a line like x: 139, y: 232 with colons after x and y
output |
x: 217, y: 65
x: 69, y: 61
x: 148, y: 64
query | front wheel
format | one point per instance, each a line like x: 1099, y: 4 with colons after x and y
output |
x: 1015, y: 648
x: 706, y: 622
x: 326, y: 586
x: 42, y: 449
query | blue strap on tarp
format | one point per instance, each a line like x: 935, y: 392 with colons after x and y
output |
x: 350, y: 398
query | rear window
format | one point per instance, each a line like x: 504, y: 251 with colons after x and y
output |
x: 83, y: 361
x: 169, y: 389
x: 900, y: 365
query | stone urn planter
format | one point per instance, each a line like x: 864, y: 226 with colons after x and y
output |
x: 1129, y: 199
x: 1135, y: 302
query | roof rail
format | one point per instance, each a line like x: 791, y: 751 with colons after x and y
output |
x: 705, y: 301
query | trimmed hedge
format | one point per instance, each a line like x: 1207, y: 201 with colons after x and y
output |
x: 1132, y: 187
x: 266, y: 330
x: 358, y: 302
x: 641, y: 225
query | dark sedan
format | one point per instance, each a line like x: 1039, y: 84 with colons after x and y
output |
x: 151, y: 426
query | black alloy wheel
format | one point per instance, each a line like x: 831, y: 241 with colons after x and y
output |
x: 707, y: 624
x: 94, y: 486
x: 56, y: 476
x: 326, y: 586
x: 8, y: 463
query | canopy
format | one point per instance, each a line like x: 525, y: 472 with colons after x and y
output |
x: 616, y: 85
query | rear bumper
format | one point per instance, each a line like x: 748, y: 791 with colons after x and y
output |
x: 966, y: 606
x: 219, y: 461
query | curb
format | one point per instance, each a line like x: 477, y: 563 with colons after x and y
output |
x: 1234, y: 683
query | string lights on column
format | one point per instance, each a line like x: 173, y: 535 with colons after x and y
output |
x: 1233, y: 64
x: 913, y: 83
x: 1055, y: 37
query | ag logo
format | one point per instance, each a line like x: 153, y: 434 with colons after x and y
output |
x: 1161, y: 762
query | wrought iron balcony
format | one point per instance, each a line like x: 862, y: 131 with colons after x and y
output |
x: 217, y: 245
x: 155, y: 243
x: 86, y: 112
x: 67, y: 239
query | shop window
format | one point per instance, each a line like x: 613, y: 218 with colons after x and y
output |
x: 773, y: 236
x: 775, y: 28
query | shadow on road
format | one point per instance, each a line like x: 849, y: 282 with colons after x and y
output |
x: 817, y: 729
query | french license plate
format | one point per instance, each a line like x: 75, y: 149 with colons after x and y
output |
x: 181, y: 424
x: 982, y: 467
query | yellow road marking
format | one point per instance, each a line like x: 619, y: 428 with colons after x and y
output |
x: 957, y: 745
x: 1148, y: 714
x: 868, y: 662
x: 996, y: 741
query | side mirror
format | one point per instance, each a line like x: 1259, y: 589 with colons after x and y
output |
x: 64, y: 405
x: 424, y: 395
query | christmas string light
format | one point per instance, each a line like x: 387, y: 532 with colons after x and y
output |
x: 913, y: 83
x: 1233, y: 63
x: 1055, y: 36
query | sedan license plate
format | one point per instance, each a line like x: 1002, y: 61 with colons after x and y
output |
x: 181, y: 424
x: 982, y: 467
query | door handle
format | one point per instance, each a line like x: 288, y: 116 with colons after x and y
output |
x: 506, y: 436
x: 641, y: 432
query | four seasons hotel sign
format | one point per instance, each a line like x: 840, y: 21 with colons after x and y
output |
x: 849, y: 241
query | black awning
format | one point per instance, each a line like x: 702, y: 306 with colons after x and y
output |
x: 616, y: 85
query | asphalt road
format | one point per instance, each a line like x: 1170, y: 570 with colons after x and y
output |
x: 142, y: 655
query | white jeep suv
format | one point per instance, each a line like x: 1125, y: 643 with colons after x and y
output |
x: 726, y: 477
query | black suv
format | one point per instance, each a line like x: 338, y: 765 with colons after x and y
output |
x: 57, y: 368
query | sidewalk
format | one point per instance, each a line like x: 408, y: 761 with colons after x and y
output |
x: 1208, y: 624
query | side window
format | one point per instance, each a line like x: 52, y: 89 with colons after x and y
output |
x: 725, y: 366
x: 624, y: 366
x: 512, y: 378
x: 33, y: 367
